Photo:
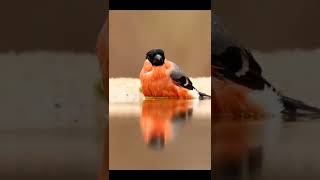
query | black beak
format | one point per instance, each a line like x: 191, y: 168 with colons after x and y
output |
x: 157, y: 60
x: 158, y: 57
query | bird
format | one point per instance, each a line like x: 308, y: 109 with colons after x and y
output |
x: 238, y: 85
x: 161, y: 77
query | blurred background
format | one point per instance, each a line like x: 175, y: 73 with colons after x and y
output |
x: 281, y: 35
x: 70, y: 25
x: 52, y: 121
x: 185, y: 37
x: 284, y: 38
x: 272, y: 25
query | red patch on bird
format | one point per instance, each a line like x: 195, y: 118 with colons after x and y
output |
x: 230, y: 98
x: 156, y: 82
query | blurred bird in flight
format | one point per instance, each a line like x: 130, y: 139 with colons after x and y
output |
x: 163, y: 78
x: 238, y: 84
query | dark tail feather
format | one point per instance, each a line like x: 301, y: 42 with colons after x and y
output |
x: 296, y: 107
x: 204, y: 96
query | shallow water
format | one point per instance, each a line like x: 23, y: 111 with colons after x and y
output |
x: 160, y: 134
x: 52, y: 123
x: 41, y: 140
x: 276, y: 147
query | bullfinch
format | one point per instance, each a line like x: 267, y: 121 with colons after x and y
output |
x: 163, y: 78
x: 238, y: 84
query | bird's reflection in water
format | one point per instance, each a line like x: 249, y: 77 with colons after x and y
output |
x: 237, y: 151
x: 259, y: 149
x: 161, y: 118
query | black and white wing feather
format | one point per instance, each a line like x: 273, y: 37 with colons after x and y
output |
x: 234, y: 62
x: 180, y: 78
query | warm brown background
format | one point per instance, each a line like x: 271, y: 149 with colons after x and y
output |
x: 185, y: 37
x: 272, y: 25
x: 52, y: 121
x: 70, y: 25
x: 276, y: 28
x: 73, y: 24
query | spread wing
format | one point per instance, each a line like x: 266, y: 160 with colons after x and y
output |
x: 232, y: 61
x: 180, y: 78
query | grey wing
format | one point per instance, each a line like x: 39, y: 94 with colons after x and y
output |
x: 180, y: 78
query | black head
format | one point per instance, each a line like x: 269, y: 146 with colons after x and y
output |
x: 156, y: 57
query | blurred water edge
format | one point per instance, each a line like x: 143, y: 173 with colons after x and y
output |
x: 174, y: 133
x: 276, y: 147
x: 52, y: 121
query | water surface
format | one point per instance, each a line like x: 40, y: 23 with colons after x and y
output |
x: 275, y: 147
x: 160, y: 134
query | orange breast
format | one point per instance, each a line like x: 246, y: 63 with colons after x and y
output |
x: 230, y: 98
x: 156, y: 82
